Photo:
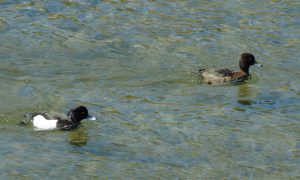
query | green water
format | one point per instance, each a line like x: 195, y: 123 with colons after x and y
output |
x: 131, y: 62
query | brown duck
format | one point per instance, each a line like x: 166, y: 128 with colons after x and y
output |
x: 220, y: 76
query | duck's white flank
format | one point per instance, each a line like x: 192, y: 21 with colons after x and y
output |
x: 42, y: 123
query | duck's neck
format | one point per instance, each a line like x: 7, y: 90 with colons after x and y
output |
x: 75, y: 121
x: 245, y: 70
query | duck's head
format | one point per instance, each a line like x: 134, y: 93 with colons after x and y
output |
x: 246, y: 61
x: 79, y: 113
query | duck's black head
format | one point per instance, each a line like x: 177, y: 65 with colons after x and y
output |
x: 246, y: 61
x: 79, y: 113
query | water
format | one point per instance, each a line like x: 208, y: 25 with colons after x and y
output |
x: 130, y: 63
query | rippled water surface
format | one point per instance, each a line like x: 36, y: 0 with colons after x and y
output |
x: 131, y: 62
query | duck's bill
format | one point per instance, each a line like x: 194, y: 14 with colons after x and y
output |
x: 92, y: 118
x: 259, y: 65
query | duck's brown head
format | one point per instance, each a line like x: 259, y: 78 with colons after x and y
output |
x: 246, y: 61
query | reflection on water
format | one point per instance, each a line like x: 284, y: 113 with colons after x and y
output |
x: 78, y: 138
x: 130, y: 63
x: 245, y: 92
x: 246, y: 102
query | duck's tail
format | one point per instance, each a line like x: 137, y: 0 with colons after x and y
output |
x: 198, y: 72
x: 27, y: 119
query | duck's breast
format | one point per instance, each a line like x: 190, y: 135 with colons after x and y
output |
x: 239, y: 76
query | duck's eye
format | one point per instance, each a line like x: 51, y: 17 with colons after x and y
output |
x: 82, y: 112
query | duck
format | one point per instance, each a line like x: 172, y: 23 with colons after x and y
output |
x: 57, y: 120
x: 224, y: 75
